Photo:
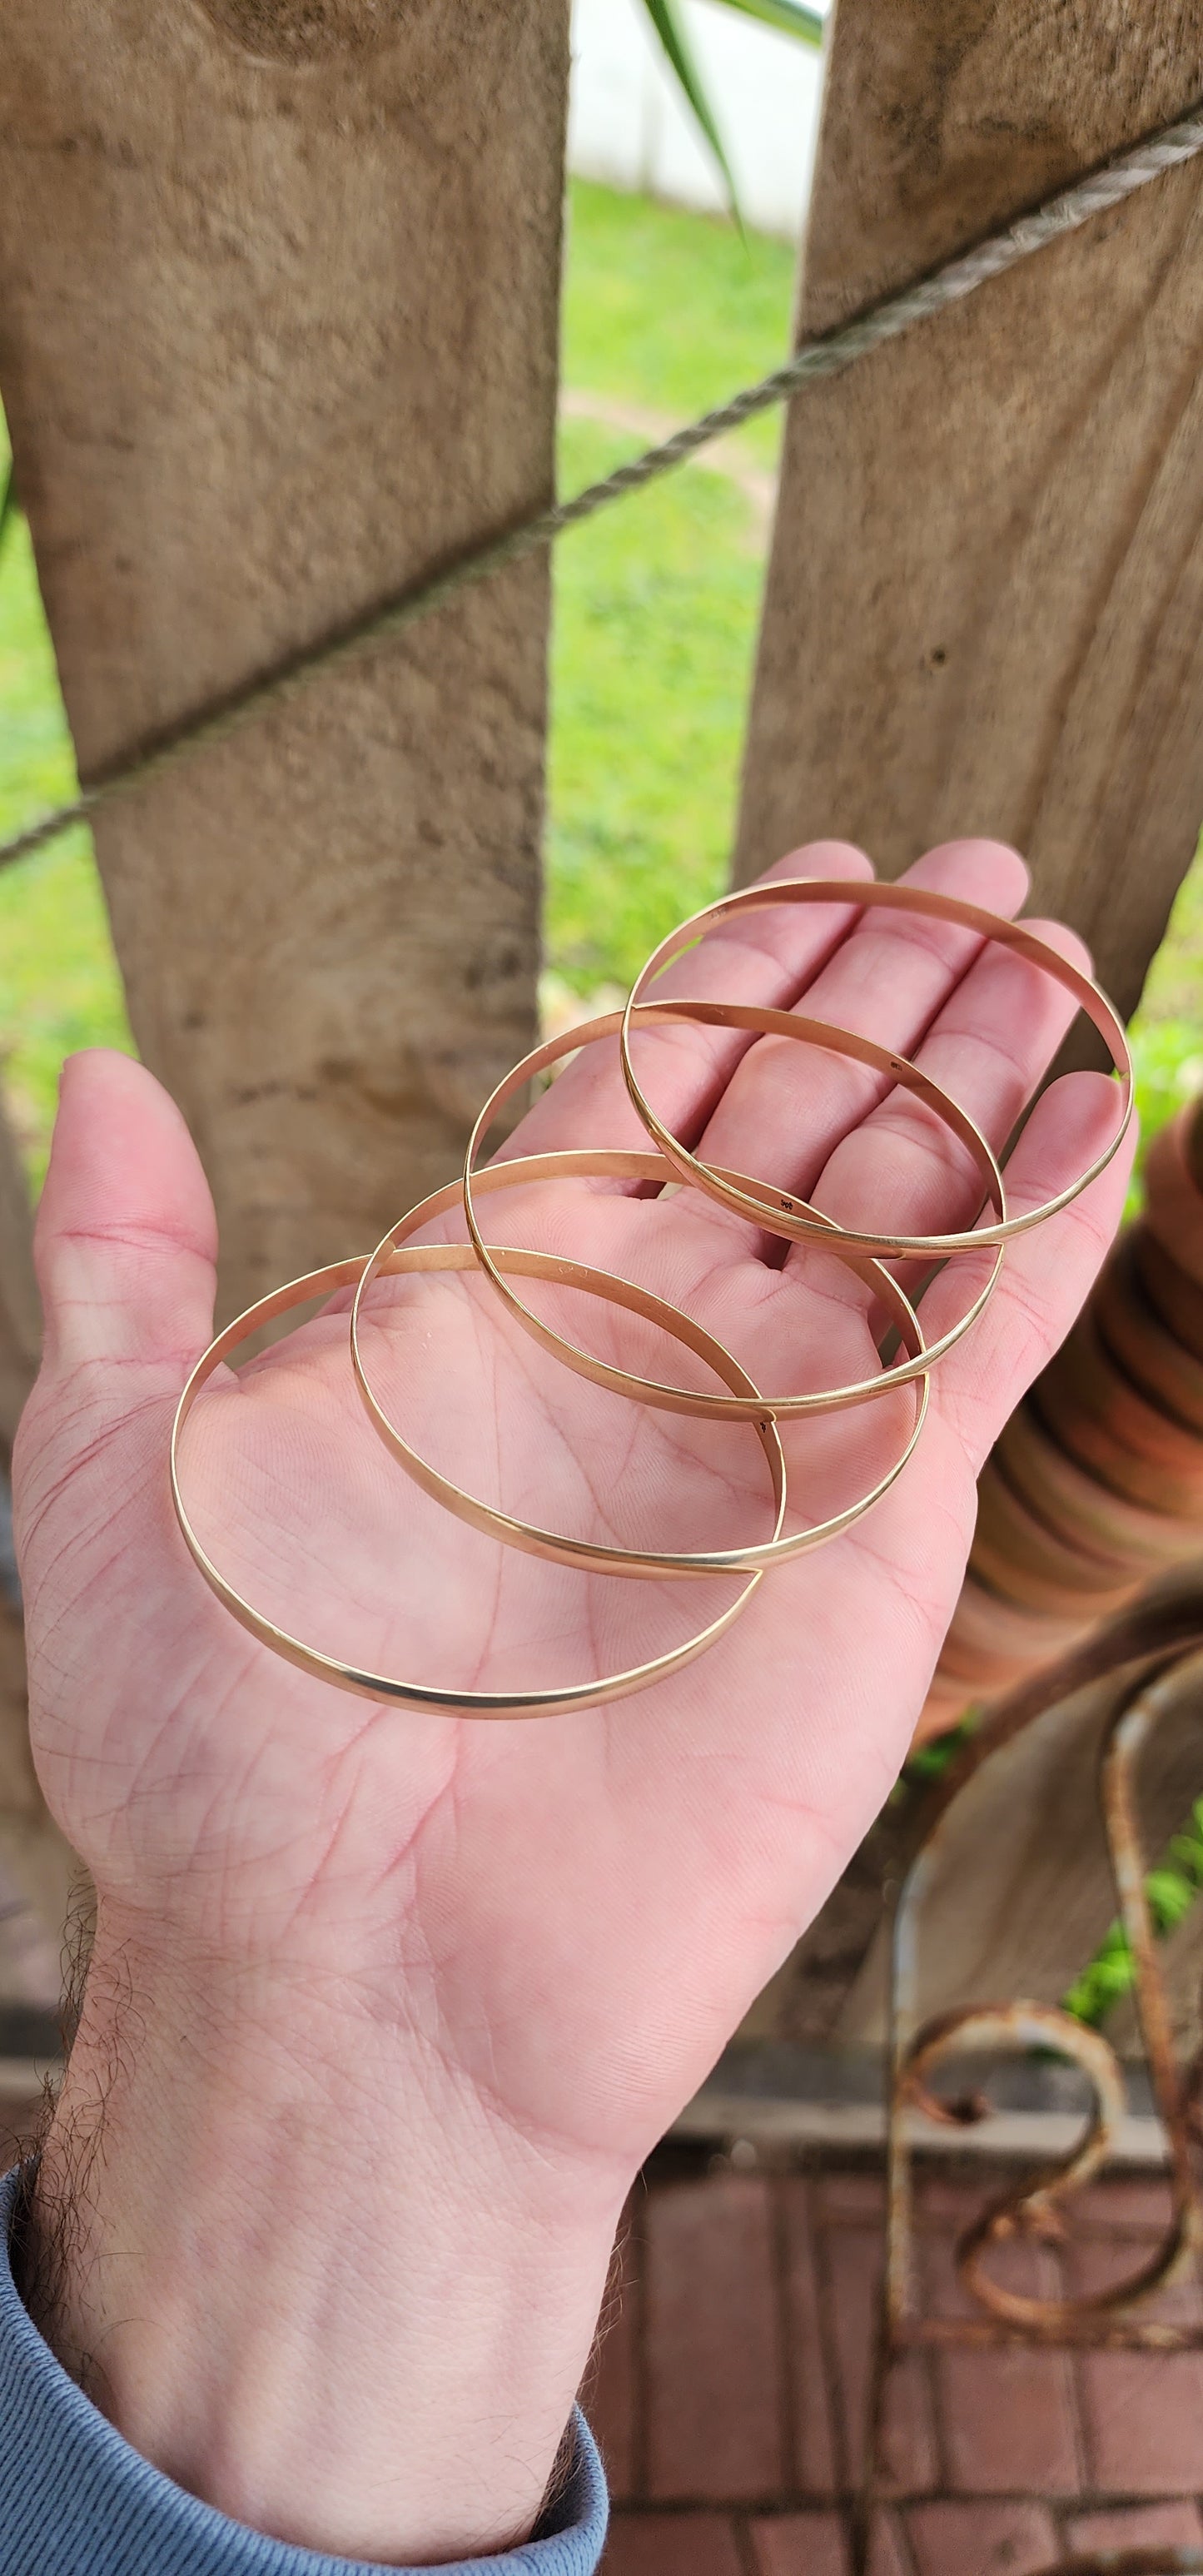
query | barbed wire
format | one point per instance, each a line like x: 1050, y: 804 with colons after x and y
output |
x: 813, y: 363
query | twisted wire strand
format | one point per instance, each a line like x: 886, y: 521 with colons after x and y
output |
x: 817, y: 359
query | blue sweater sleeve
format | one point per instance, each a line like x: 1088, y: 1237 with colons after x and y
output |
x: 75, y: 2500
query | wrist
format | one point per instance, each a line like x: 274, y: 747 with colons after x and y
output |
x: 305, y: 2269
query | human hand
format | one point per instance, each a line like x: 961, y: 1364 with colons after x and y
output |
x: 386, y: 2009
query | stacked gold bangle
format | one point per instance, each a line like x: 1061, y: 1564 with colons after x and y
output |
x: 771, y: 1209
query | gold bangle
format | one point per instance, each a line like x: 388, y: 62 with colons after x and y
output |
x: 583, y: 1554
x: 384, y: 1686
x: 765, y: 1205
x: 833, y: 1237
x: 799, y: 1222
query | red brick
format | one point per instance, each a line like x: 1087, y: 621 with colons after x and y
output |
x: 609, y: 2395
x: 1141, y: 2526
x: 1008, y: 2414
x: 1135, y: 2208
x: 1143, y: 2417
x: 815, y: 2469
x: 860, y: 2197
x: 800, y: 2544
x: 887, y: 2553
x: 1021, y: 2263
x: 981, y: 2539
x: 715, y: 2401
x: 908, y: 2449
x: 1142, y: 2411
x: 945, y: 2201
x: 1101, y: 2263
x: 671, y: 2544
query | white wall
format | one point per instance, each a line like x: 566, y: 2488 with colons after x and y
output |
x: 629, y: 126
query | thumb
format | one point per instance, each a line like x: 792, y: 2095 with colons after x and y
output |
x: 126, y: 1238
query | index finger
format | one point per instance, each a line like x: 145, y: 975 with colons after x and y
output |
x: 767, y: 957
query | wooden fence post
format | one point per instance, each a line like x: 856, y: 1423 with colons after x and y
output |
x: 985, y: 601
x: 278, y: 309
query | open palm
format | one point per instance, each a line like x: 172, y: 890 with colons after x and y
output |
x: 571, y: 1912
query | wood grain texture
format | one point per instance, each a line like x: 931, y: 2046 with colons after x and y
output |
x: 1021, y: 1891
x: 278, y: 321
x: 985, y: 600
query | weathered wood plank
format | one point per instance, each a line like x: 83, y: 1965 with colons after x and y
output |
x: 1021, y: 1884
x: 1021, y: 1890
x: 985, y: 600
x: 278, y: 307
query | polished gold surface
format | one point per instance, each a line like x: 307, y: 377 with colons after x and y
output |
x: 391, y: 1254
x: 386, y: 1686
x: 767, y: 1206
x: 792, y: 1217
x: 758, y: 1195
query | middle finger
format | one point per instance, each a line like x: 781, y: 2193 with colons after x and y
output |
x: 787, y: 1107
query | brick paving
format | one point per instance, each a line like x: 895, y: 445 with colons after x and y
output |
x: 729, y: 2394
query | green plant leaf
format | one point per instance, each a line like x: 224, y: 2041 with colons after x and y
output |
x: 8, y: 500
x: 1171, y: 1890
x: 671, y: 32
x: 1170, y: 1899
x: 788, y: 15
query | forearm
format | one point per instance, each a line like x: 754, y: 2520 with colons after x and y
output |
x: 304, y: 2272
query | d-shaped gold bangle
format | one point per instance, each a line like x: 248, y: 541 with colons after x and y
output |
x: 758, y: 1195
x: 385, y: 1686
x: 586, y: 1555
x: 797, y: 1221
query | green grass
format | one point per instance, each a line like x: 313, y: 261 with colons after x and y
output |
x: 655, y: 614
x: 656, y: 609
x: 656, y: 606
x: 59, y: 984
x: 1167, y: 1031
x: 672, y: 310
x: 657, y: 601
